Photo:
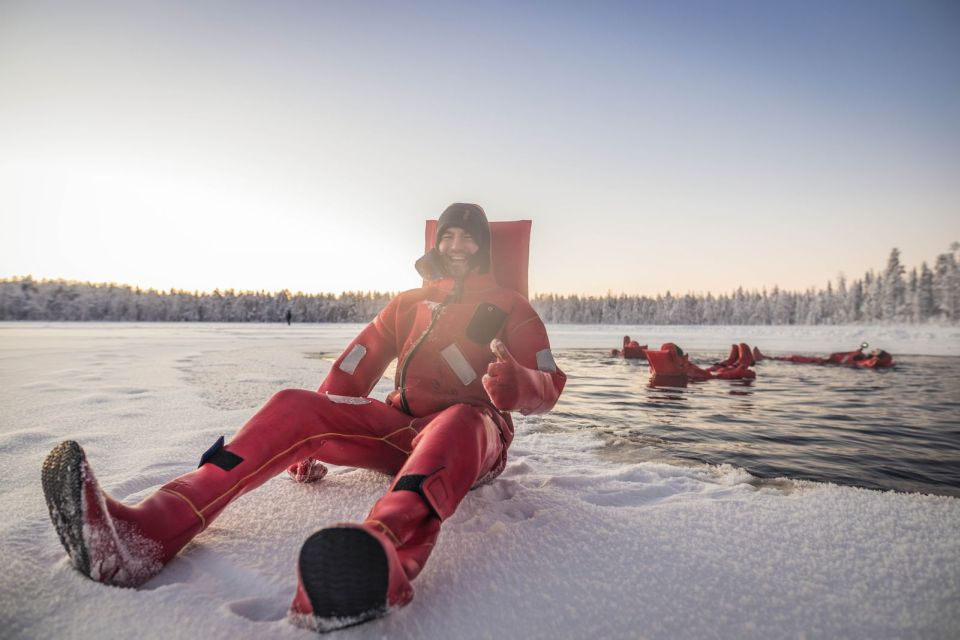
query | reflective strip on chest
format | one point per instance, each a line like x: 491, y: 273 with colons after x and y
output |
x: 349, y: 364
x: 459, y: 364
x: 545, y: 361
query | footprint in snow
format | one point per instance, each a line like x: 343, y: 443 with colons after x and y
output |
x: 131, y: 391
x: 500, y: 506
x: 179, y: 571
x: 517, y: 469
x: 641, y: 496
x: 260, y: 609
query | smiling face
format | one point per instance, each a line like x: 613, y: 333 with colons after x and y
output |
x: 456, y: 247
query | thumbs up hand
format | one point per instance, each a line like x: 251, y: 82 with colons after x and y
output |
x: 505, y: 380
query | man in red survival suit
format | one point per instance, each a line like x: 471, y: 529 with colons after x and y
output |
x: 470, y: 352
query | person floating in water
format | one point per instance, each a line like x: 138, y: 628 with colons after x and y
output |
x: 670, y: 363
x: 470, y: 351
x: 876, y: 359
x: 632, y: 350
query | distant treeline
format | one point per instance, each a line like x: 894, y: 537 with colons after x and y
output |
x: 29, y: 299
x: 924, y: 295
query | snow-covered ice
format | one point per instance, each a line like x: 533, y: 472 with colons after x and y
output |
x: 562, y: 545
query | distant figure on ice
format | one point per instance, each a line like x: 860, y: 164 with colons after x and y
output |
x: 289, y: 316
x: 470, y: 351
x: 632, y: 350
x: 876, y: 359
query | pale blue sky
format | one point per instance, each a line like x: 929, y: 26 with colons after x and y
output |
x: 689, y: 146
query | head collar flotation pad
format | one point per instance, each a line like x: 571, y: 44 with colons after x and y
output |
x: 509, y: 251
x: 668, y: 361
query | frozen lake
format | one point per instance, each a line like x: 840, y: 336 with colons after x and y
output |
x: 585, y: 534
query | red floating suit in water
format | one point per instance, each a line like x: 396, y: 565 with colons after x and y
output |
x: 671, y: 363
x: 731, y: 359
x: 740, y: 368
x: 877, y: 359
x: 669, y: 366
x: 632, y: 350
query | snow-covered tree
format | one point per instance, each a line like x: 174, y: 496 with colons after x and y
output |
x: 893, y: 292
x: 928, y: 294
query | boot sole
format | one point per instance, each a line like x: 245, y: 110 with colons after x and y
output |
x: 345, y: 574
x: 62, y: 478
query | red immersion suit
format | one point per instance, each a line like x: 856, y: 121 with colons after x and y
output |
x: 671, y: 365
x: 632, y: 350
x: 444, y: 429
x: 877, y: 359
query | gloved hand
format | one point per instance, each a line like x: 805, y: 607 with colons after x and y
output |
x: 513, y: 387
x: 309, y: 470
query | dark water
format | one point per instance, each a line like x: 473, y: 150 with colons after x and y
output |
x: 896, y: 429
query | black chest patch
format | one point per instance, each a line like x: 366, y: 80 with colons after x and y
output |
x: 486, y: 323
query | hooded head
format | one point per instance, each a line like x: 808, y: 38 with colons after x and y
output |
x: 472, y: 219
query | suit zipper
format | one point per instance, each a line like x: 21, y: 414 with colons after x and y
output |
x: 406, y: 363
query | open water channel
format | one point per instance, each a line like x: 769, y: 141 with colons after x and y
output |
x: 895, y: 429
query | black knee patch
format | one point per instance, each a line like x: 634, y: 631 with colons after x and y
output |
x: 220, y: 457
x: 415, y: 483
x: 411, y: 483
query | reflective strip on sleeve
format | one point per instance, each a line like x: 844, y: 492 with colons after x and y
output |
x: 545, y: 361
x: 349, y: 364
x: 459, y: 364
x: 347, y: 399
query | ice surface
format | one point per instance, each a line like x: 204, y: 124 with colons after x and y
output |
x: 562, y: 545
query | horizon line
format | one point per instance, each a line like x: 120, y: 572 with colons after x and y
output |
x: 377, y: 292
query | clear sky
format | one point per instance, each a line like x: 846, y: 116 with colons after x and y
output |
x: 681, y: 145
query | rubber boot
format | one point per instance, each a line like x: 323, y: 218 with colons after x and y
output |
x: 125, y: 546
x: 347, y: 574
x: 106, y: 540
x: 731, y: 358
x: 350, y: 573
x: 742, y: 370
x: 407, y: 519
x: 745, y: 359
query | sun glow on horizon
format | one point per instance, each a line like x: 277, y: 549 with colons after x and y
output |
x: 302, y: 148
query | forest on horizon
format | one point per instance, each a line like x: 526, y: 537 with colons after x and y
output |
x: 925, y: 294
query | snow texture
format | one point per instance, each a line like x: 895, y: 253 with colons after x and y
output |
x: 561, y: 545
